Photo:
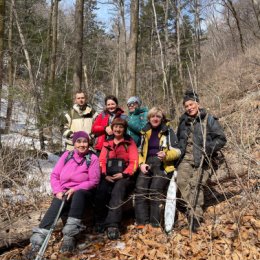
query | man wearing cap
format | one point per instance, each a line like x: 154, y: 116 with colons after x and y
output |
x: 137, y: 118
x: 79, y: 118
x: 191, y: 137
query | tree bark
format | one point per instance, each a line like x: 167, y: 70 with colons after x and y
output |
x: 2, y: 25
x: 178, y: 39
x: 164, y: 83
x: 29, y: 68
x: 54, y: 41
x: 77, y: 77
x: 256, y: 8
x: 132, y: 58
x: 197, y: 29
x: 229, y: 4
x: 10, y: 73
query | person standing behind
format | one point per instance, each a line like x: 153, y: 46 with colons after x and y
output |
x: 137, y: 118
x: 158, y: 150
x: 102, y: 125
x: 79, y: 118
x: 191, y: 137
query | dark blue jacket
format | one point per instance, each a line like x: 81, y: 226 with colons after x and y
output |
x: 215, y: 137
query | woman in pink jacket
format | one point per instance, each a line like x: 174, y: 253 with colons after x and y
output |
x: 75, y: 175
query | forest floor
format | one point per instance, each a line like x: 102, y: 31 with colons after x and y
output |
x: 231, y: 231
x: 231, y: 227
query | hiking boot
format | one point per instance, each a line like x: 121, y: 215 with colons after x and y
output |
x: 32, y: 253
x: 113, y: 233
x: 99, y: 228
x: 68, y: 245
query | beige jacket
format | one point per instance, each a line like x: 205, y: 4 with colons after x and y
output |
x: 78, y: 120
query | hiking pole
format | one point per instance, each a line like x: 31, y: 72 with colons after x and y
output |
x: 47, y: 238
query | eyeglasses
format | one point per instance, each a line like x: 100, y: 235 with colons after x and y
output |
x: 131, y: 104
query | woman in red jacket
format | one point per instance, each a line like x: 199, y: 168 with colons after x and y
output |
x: 101, y: 127
x: 118, y: 162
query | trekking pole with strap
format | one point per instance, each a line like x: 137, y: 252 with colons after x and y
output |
x: 200, y: 176
x: 47, y: 238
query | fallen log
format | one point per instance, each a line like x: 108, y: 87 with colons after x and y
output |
x: 17, y: 231
x: 232, y: 167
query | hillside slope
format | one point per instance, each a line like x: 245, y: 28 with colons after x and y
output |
x: 232, y: 218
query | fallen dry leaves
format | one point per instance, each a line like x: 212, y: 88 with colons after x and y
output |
x: 231, y: 231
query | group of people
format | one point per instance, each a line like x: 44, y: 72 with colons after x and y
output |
x: 136, y: 152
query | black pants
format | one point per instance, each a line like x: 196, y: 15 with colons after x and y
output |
x: 75, y: 207
x: 109, y: 201
x: 150, y: 193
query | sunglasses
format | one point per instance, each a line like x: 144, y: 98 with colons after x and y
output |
x: 132, y: 104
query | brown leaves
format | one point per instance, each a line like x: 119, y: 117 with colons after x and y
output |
x: 231, y: 231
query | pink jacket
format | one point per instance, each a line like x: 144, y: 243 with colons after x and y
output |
x: 75, y: 174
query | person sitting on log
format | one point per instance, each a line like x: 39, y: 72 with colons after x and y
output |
x: 75, y: 176
x: 118, y: 162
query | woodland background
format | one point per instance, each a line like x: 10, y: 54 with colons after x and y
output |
x: 156, y: 50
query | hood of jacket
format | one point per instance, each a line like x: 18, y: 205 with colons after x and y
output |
x: 88, y: 109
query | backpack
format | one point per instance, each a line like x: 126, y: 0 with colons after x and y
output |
x: 87, y: 157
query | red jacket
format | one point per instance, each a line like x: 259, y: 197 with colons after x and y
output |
x: 99, y: 126
x: 126, y: 150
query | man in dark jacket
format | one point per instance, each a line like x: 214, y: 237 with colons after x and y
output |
x: 192, y: 136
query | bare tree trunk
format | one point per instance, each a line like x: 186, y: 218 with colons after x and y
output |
x: 256, y: 8
x: 10, y: 73
x: 26, y: 53
x: 178, y: 39
x: 164, y: 83
x: 230, y: 28
x: 49, y: 45
x: 77, y: 77
x: 122, y: 46
x: 196, y: 5
x: 118, y: 65
x: 86, y: 77
x: 165, y: 51
x: 231, y: 7
x: 2, y: 25
x: 54, y: 41
x: 131, y: 82
x: 29, y: 68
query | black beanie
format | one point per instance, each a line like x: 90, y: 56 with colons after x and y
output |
x: 190, y: 95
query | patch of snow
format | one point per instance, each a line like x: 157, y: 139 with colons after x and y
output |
x: 39, y: 171
x: 17, y: 140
